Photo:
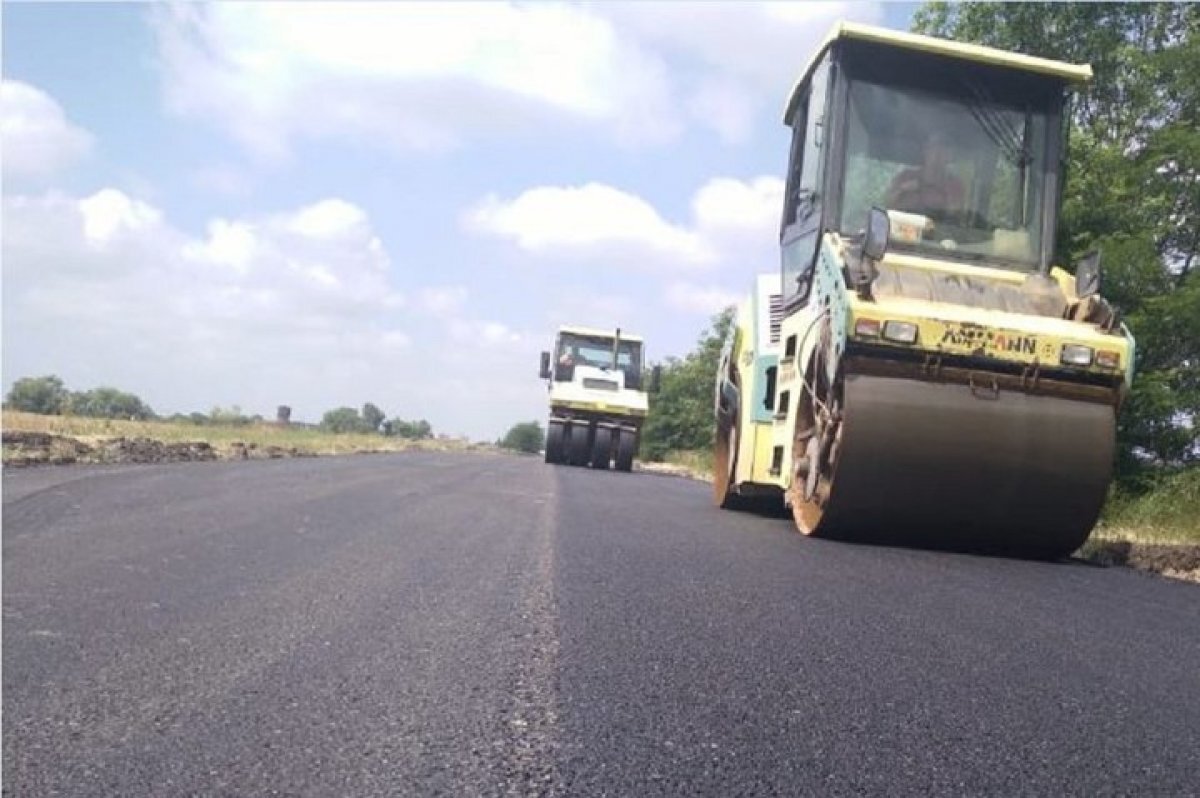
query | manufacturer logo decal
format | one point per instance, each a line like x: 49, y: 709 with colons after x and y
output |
x: 978, y: 338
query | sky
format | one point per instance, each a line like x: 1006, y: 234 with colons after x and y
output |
x: 322, y: 205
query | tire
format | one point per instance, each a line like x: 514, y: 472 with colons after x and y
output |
x: 578, y: 445
x: 724, y: 467
x: 811, y: 487
x: 555, y: 441
x: 626, y: 448
x: 725, y: 447
x: 602, y: 448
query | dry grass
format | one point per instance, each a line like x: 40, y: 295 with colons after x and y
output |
x: 1169, y: 513
x: 1158, y: 530
x: 226, y: 439
x: 697, y: 464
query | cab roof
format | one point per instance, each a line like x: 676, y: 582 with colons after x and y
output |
x: 609, y: 333
x: 1070, y: 73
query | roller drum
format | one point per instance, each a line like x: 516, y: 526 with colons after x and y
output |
x: 949, y: 465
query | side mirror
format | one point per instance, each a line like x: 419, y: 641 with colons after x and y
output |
x: 1087, y: 275
x: 655, y: 379
x: 545, y: 372
x: 875, y: 242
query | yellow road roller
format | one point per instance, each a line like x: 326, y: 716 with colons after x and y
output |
x: 919, y: 372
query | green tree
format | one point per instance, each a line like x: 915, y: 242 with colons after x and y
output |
x: 342, y: 420
x: 105, y: 402
x: 372, y: 417
x: 412, y: 430
x: 45, y: 395
x: 524, y: 437
x: 231, y: 416
x: 681, y: 413
x: 1133, y: 185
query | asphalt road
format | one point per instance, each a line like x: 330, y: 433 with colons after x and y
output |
x: 482, y: 625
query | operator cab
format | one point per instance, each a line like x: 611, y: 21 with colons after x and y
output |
x: 962, y: 146
x: 600, y: 354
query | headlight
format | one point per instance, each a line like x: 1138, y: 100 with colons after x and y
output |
x: 1076, y: 355
x: 866, y: 328
x: 902, y: 332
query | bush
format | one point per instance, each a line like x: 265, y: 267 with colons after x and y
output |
x: 232, y: 416
x: 412, y: 430
x: 524, y: 437
x: 109, y: 403
x: 681, y: 413
x: 1166, y: 502
x: 45, y: 395
x: 372, y: 417
x: 342, y: 420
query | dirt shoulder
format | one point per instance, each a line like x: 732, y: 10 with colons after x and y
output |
x: 1175, y: 560
x: 673, y: 470
x: 23, y: 448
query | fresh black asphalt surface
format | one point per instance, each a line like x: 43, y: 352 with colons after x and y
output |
x: 482, y: 625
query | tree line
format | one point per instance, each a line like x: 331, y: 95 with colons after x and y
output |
x: 48, y: 395
x: 370, y: 419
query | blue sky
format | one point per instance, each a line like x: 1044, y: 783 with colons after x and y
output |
x: 263, y: 204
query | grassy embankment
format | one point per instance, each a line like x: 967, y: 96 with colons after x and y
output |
x: 1167, y: 513
x: 228, y: 440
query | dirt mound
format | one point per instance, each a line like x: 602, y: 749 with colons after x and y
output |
x: 35, y: 448
x: 148, y: 450
x: 43, y: 448
x: 1180, y: 561
x: 252, y: 451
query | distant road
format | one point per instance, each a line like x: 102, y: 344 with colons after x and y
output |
x: 468, y: 625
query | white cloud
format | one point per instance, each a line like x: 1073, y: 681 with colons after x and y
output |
x: 319, y: 265
x: 602, y: 225
x: 588, y: 309
x: 565, y: 219
x: 409, y: 76
x: 752, y: 207
x: 302, y: 307
x: 228, y: 243
x: 38, y: 139
x: 700, y: 299
x: 109, y: 213
x: 328, y: 219
x: 223, y: 179
x: 430, y: 76
x: 732, y: 60
x: 445, y: 300
x: 764, y: 44
x: 727, y: 107
x: 485, y: 334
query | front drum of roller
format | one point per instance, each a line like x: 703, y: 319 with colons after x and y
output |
x: 927, y: 463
